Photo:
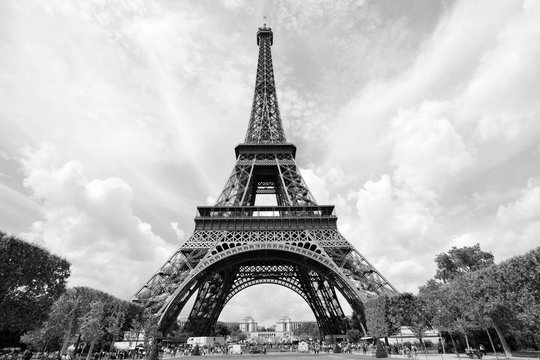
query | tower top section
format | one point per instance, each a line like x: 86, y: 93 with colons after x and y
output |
x: 265, y: 122
x: 265, y: 32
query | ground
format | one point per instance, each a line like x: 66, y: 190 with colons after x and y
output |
x: 341, y: 356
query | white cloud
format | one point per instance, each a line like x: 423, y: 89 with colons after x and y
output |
x: 92, y: 224
x: 518, y: 223
x: 393, y: 218
x: 317, y: 186
x: 179, y: 232
x: 525, y: 209
x: 502, y: 94
x: 398, y: 214
x: 233, y: 3
x: 426, y: 149
x: 448, y: 63
x: 511, y: 229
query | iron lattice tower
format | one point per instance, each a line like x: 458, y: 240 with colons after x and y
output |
x: 237, y: 244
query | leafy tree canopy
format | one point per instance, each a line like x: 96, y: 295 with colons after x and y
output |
x: 354, y: 335
x: 310, y: 329
x: 71, y: 314
x: 459, y: 261
x: 32, y: 279
x: 358, y: 319
x: 222, y: 329
x: 505, y: 297
x: 378, y: 317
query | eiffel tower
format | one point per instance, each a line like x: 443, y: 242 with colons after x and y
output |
x: 237, y: 244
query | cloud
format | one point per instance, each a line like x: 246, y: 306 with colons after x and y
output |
x: 501, y: 96
x: 92, y: 224
x: 317, y: 186
x: 511, y: 229
x: 179, y: 232
x: 393, y: 218
x: 426, y: 149
x: 525, y: 209
x: 518, y: 222
x: 446, y: 67
x: 233, y: 3
x: 399, y: 213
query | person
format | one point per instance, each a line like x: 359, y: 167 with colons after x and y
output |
x: 482, y: 349
x: 478, y: 353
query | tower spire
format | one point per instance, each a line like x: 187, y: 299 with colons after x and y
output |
x: 265, y: 122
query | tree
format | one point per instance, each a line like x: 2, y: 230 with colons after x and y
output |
x: 222, y: 329
x: 32, y: 279
x: 505, y: 297
x: 448, y: 307
x: 401, y: 308
x: 378, y: 321
x: 508, y: 298
x: 358, y: 320
x: 242, y: 336
x: 149, y: 325
x: 354, y: 335
x: 462, y: 305
x: 235, y: 330
x: 461, y: 261
x: 38, y: 339
x: 92, y: 324
x: 65, y: 316
x: 114, y: 323
x: 310, y: 329
x: 409, y: 310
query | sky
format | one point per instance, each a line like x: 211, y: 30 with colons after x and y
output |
x: 418, y: 120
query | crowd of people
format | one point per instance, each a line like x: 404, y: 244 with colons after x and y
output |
x: 407, y: 350
x: 478, y: 352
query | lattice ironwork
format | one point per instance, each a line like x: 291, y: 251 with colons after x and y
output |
x: 265, y: 121
x: 235, y: 245
x: 270, y: 173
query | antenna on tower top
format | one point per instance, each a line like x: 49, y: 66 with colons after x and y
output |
x: 264, y: 19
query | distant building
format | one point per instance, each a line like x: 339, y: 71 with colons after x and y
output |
x: 248, y: 325
x: 130, y: 341
x: 285, y: 326
x: 406, y: 335
x: 282, y: 331
x: 267, y: 336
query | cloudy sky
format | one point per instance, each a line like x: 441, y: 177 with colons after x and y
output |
x: 419, y: 120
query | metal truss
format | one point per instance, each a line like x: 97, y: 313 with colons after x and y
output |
x: 236, y: 244
x: 269, y: 174
x: 265, y: 121
x: 191, y: 269
x: 220, y: 285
